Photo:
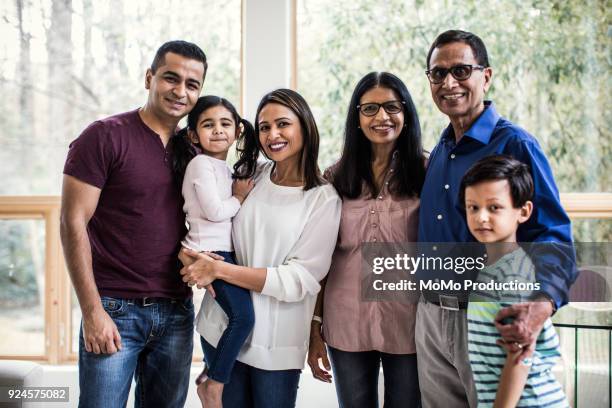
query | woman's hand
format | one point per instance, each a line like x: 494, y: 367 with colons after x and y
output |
x: 185, y: 259
x: 316, y: 352
x: 202, y: 271
x: 241, y: 188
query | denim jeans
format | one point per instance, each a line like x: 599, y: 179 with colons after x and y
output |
x: 237, y: 304
x: 356, y: 378
x: 157, y: 344
x: 251, y: 387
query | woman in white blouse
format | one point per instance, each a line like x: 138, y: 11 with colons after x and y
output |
x: 284, y: 236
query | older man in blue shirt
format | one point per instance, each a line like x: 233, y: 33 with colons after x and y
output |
x: 459, y: 74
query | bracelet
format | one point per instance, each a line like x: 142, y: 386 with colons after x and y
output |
x: 317, y: 319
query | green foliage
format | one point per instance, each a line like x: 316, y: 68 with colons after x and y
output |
x: 551, y: 62
x: 111, y: 46
x: 18, y: 283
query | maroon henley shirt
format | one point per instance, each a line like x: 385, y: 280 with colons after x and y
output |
x: 137, y: 227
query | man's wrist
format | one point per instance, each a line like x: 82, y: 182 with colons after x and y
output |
x: 546, y: 298
x: 89, y: 310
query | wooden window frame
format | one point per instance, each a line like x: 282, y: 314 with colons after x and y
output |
x: 57, y: 285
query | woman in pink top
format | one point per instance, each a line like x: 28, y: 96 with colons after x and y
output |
x: 379, y: 178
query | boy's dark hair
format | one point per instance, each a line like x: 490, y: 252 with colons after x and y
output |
x: 451, y: 36
x: 500, y: 167
x: 182, y: 48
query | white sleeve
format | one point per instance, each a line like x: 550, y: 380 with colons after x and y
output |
x: 308, y: 261
x: 205, y: 184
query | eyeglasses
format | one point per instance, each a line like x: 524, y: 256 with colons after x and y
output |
x: 459, y: 72
x: 391, y: 107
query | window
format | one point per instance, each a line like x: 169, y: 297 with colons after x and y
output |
x: 65, y: 64
x: 551, y: 73
x: 22, y: 287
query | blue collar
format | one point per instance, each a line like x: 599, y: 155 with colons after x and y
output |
x: 482, y: 129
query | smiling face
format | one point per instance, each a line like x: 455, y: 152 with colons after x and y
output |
x: 491, y: 216
x: 461, y: 101
x: 280, y: 134
x: 174, y: 87
x: 382, y: 128
x: 215, y: 131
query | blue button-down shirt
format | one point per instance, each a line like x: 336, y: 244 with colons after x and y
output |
x: 442, y: 219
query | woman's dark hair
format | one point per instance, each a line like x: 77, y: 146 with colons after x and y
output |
x: 249, y: 147
x: 500, y: 167
x: 355, y: 165
x: 183, y: 149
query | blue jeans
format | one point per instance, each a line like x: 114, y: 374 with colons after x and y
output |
x: 356, y: 378
x: 251, y: 387
x: 157, y: 343
x: 237, y: 304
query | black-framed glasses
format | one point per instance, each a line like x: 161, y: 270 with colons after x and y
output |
x: 391, y: 107
x: 460, y: 72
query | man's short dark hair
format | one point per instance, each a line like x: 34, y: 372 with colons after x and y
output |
x: 451, y: 36
x: 182, y: 48
x: 500, y: 167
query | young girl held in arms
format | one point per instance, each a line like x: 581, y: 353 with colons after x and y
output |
x: 211, y: 200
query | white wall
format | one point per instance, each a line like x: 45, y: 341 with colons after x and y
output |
x: 266, y: 49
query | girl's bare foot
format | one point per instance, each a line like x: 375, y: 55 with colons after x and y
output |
x: 210, y: 392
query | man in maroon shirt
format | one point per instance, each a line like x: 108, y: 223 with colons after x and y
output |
x: 121, y: 226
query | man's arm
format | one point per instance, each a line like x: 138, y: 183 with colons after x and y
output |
x: 79, y: 201
x: 555, y: 266
x: 549, y: 226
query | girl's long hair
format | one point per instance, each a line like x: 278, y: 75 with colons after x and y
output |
x: 183, y: 149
